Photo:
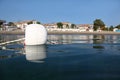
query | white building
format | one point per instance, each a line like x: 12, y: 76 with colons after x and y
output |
x: 67, y: 27
x: 54, y: 27
x: 50, y: 26
x: 85, y: 27
x: 22, y: 24
x: 10, y: 28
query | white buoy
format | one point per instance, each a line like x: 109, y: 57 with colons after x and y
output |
x: 35, y: 53
x: 35, y: 34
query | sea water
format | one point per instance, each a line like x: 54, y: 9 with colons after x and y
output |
x: 63, y: 57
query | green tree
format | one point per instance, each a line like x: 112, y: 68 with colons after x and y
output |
x: 38, y: 22
x: 73, y: 26
x: 1, y: 22
x: 98, y: 23
x: 11, y: 24
x: 106, y: 29
x: 111, y: 28
x: 59, y: 25
x: 118, y: 26
x: 31, y: 22
x: 67, y: 26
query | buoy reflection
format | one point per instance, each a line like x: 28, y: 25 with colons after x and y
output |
x: 36, y: 53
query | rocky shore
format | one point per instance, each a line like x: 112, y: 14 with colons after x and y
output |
x: 18, y: 32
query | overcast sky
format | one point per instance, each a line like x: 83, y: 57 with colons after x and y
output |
x: 49, y: 11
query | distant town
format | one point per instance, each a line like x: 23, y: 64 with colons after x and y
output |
x: 98, y: 26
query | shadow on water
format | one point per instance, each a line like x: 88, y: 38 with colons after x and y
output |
x: 97, y: 41
x: 98, y: 47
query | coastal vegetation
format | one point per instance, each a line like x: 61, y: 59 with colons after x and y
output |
x: 73, y: 26
x: 118, y: 26
x: 11, y: 24
x: 59, y: 25
x: 111, y: 28
x: 98, y: 24
x: 2, y: 22
x: 31, y: 22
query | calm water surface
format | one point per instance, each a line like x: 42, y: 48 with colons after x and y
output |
x: 64, y: 57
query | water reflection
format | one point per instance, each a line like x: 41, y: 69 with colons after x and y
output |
x: 4, y: 38
x: 97, y: 41
x: 67, y: 39
x: 98, y: 47
x: 36, y: 53
x: 11, y: 50
x: 70, y: 38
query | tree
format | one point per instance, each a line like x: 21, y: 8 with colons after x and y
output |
x: 11, y: 24
x: 59, y: 25
x: 38, y: 22
x: 73, y: 26
x: 106, y: 29
x: 67, y: 26
x: 31, y: 22
x: 118, y: 26
x: 98, y: 23
x: 111, y: 28
x: 1, y: 22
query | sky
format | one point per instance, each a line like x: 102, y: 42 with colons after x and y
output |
x: 50, y: 11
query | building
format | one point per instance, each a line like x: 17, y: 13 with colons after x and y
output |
x: 116, y: 30
x: 10, y: 28
x: 50, y: 26
x: 67, y: 26
x: 22, y: 24
x: 85, y: 27
x: 54, y: 27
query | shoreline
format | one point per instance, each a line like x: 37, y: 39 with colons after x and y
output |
x: 87, y: 33
x: 62, y: 32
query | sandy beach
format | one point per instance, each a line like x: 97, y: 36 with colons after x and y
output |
x: 18, y: 32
